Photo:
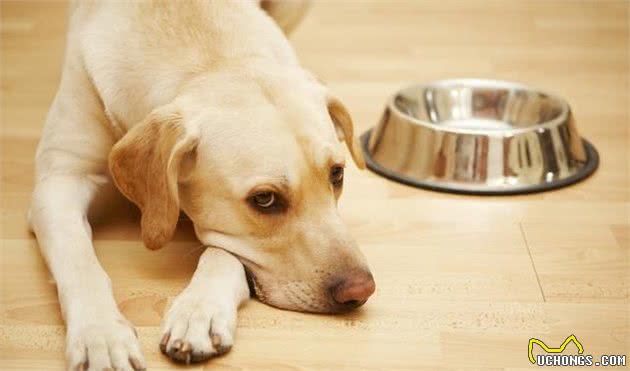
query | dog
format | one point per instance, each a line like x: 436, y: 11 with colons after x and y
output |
x: 198, y: 107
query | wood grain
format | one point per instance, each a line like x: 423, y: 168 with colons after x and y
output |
x: 462, y: 282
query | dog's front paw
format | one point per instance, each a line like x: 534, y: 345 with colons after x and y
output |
x: 104, y: 342
x: 196, y: 329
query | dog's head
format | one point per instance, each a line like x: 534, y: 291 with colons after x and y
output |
x: 256, y: 162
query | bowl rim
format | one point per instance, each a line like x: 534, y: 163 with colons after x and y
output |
x: 591, y: 164
x: 565, y: 113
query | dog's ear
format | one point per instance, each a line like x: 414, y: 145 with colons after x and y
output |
x: 145, y: 166
x: 287, y: 14
x: 345, y: 129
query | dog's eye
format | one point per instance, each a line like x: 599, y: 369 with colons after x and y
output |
x: 336, y: 176
x: 265, y: 199
x: 267, y: 202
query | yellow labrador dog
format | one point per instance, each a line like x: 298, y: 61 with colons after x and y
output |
x: 200, y: 107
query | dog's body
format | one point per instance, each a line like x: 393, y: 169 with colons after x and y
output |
x: 200, y: 107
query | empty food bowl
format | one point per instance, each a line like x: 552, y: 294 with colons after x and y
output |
x: 478, y: 137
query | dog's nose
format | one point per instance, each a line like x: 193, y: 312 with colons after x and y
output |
x: 354, y: 290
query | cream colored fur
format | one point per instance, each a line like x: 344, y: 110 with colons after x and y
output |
x: 191, y: 106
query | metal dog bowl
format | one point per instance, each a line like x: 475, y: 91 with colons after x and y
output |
x: 478, y: 137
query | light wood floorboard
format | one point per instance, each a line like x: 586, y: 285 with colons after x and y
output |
x: 463, y: 282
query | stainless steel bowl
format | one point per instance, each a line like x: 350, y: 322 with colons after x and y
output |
x: 480, y: 137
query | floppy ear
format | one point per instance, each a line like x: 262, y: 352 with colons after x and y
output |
x: 345, y: 129
x: 287, y: 14
x: 145, y: 166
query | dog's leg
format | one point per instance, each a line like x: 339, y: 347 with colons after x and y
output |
x: 98, y: 336
x: 71, y: 175
x: 201, y: 321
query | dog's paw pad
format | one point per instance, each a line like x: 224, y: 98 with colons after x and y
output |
x: 195, y: 331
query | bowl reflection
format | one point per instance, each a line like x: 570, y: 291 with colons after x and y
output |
x: 478, y: 136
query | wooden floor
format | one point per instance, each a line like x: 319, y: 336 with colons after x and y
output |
x: 462, y: 282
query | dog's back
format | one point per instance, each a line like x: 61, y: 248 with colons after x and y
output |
x: 139, y: 53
